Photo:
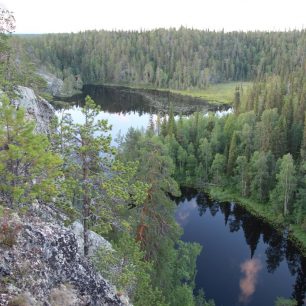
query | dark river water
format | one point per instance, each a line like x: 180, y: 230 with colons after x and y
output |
x: 243, y: 261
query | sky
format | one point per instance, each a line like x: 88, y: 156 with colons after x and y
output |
x: 49, y: 16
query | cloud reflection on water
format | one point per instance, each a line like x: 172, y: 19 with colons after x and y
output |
x: 250, y: 268
x: 184, y: 212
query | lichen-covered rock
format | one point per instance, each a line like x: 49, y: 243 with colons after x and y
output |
x: 37, y: 109
x: 96, y: 241
x: 45, y: 264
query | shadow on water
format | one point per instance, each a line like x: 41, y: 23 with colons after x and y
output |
x: 244, y: 260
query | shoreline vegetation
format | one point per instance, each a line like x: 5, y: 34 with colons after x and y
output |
x: 261, y: 211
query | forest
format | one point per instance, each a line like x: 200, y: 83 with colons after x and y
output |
x: 256, y: 153
x: 177, y: 59
x: 76, y: 170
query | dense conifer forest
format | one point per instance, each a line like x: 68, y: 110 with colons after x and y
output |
x: 257, y: 153
x: 177, y: 59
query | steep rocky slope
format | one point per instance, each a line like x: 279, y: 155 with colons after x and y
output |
x: 40, y: 263
x: 41, y: 259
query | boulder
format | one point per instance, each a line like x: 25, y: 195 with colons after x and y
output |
x: 96, y: 241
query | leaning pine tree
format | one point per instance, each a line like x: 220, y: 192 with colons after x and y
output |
x: 98, y: 182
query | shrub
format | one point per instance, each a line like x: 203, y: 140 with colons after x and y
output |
x: 23, y: 299
x: 65, y: 295
x: 9, y: 229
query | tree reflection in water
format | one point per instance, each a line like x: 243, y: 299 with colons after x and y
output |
x: 279, y: 248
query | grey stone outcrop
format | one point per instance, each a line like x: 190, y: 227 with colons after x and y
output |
x: 37, y: 109
x: 45, y: 264
x: 54, y: 84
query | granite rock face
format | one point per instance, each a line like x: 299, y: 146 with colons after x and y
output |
x: 37, y: 109
x: 44, y: 266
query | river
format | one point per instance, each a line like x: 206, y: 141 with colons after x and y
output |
x: 243, y: 261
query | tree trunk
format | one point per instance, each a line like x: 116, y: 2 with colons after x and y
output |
x: 86, y: 210
x: 85, y: 223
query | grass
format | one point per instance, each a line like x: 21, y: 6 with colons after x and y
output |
x: 1, y: 211
x: 299, y: 236
x: 222, y: 93
x: 262, y: 211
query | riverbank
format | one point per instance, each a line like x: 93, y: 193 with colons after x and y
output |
x: 262, y: 211
x: 218, y: 94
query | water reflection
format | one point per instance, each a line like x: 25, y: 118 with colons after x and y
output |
x: 269, y: 251
x: 250, y: 268
x: 184, y: 214
x: 119, y: 99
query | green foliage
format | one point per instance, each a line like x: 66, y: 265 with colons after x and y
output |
x: 218, y: 168
x: 242, y: 175
x: 236, y: 151
x: 181, y: 59
x: 285, y: 302
x: 125, y: 267
x: 16, y: 67
x: 260, y: 176
x: 241, y: 149
x: 200, y: 300
x: 205, y: 157
x: 28, y: 169
x: 94, y: 179
x: 157, y: 234
x: 283, y: 193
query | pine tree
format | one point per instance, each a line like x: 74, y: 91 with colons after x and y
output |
x: 96, y: 176
x: 232, y: 154
x: 28, y: 168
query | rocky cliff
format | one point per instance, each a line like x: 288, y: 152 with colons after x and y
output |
x: 37, y: 108
x: 41, y: 259
x: 42, y: 265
